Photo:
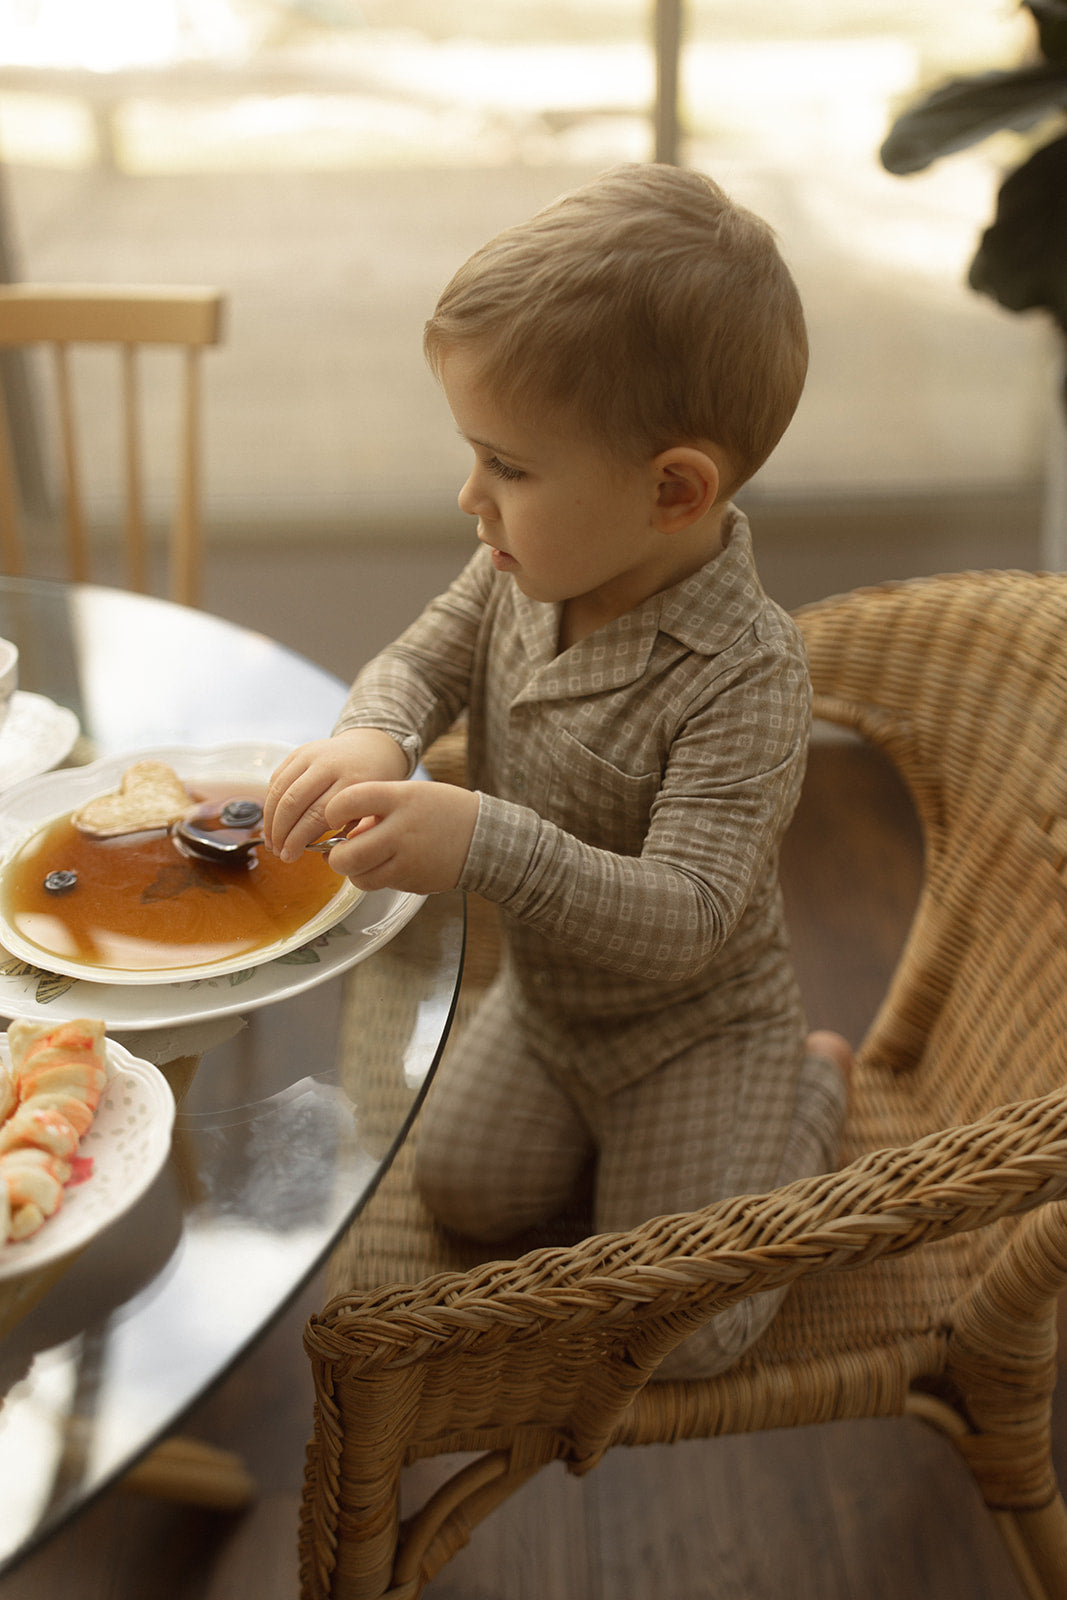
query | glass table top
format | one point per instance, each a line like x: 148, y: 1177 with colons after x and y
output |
x: 274, y: 1151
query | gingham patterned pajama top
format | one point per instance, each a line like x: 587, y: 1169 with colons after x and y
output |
x: 634, y: 790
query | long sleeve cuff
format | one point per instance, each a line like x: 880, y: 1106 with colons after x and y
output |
x: 502, y: 848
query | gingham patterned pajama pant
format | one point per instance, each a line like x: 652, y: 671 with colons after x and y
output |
x: 505, y: 1142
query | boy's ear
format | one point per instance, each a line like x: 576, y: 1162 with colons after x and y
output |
x: 687, y: 485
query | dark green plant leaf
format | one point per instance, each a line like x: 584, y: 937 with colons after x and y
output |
x: 52, y: 986
x: 1022, y: 258
x: 1051, y: 19
x: 306, y: 956
x: 967, y: 110
x: 15, y: 967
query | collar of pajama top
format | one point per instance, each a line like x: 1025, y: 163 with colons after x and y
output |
x: 707, y: 612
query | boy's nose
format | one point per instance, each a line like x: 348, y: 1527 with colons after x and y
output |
x: 472, y: 500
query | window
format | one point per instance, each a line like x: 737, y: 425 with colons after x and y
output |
x: 329, y: 162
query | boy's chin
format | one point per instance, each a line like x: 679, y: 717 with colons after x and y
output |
x: 534, y: 590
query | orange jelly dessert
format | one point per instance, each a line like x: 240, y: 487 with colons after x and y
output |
x: 142, y: 902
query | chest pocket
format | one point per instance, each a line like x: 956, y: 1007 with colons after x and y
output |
x: 593, y: 799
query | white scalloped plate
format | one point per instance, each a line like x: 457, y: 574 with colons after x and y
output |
x: 30, y: 806
x: 29, y: 990
x: 127, y: 1143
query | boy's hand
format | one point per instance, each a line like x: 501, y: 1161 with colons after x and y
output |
x: 412, y: 836
x: 295, y: 809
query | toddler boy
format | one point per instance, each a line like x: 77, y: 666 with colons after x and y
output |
x: 638, y: 723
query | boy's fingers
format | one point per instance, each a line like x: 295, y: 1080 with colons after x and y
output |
x: 290, y: 835
x: 284, y: 787
x: 361, y: 800
x: 359, y: 858
x: 300, y: 814
x: 279, y: 783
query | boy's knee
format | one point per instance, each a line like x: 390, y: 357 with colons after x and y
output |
x: 457, y: 1199
x: 492, y: 1199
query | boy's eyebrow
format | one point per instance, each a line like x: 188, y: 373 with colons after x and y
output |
x: 495, y: 449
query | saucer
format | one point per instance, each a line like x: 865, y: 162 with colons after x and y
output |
x: 36, y: 735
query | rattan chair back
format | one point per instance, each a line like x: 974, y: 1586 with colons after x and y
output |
x: 963, y: 680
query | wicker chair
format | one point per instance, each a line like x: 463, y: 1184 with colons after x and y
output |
x: 925, y: 1273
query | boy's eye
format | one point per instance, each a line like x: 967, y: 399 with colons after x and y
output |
x: 500, y: 469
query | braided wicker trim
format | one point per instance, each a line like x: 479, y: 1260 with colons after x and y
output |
x: 692, y: 1266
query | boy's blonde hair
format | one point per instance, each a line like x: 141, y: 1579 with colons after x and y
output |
x: 648, y: 305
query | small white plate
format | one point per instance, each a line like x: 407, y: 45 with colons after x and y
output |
x: 28, y: 808
x: 127, y: 1143
x: 35, y: 736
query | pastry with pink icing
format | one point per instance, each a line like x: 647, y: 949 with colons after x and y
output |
x: 9, y: 1094
x: 57, y: 1076
x: 31, y: 1190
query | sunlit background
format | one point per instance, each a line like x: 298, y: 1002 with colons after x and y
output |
x: 330, y: 162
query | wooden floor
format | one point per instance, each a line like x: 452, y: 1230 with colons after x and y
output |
x: 849, y: 1511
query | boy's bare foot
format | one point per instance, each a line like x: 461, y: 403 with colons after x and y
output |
x: 834, y: 1047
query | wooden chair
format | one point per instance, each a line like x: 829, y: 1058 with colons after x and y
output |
x: 924, y: 1274
x: 63, y: 315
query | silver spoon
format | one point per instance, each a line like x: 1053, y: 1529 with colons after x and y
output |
x: 235, y: 849
x: 228, y: 835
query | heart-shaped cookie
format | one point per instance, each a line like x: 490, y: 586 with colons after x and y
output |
x: 151, y: 795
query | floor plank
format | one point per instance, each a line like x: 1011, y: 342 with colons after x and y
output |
x: 718, y: 1521
x: 259, y: 1556
x: 539, y: 1545
x: 851, y: 869
x: 909, y: 1518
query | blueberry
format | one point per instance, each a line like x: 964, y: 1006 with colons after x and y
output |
x: 241, y: 814
x: 61, y: 882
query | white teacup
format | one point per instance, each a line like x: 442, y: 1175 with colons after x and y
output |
x: 9, y: 676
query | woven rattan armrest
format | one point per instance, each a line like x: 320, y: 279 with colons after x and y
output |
x: 653, y: 1285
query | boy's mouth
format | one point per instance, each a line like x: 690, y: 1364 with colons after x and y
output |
x: 500, y: 558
